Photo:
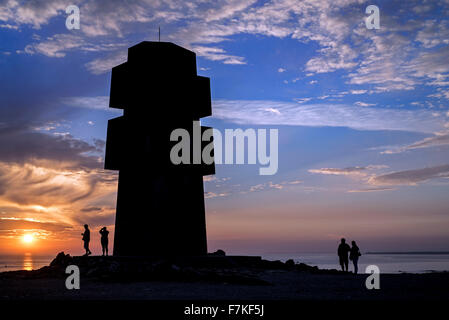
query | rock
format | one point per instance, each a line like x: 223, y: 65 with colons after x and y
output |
x: 219, y: 252
x: 175, y: 268
x: 272, y: 265
x: 216, y: 267
x: 290, y: 263
x: 61, y: 260
x: 114, y: 267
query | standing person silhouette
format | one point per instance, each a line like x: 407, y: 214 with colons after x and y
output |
x: 104, y: 240
x: 343, y: 250
x: 86, y: 239
x: 354, y: 256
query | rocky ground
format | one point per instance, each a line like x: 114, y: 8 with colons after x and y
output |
x: 214, y: 277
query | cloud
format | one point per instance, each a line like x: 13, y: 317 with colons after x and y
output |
x: 98, y: 103
x: 8, y: 26
x: 56, y: 194
x: 434, y: 33
x: 390, y: 59
x: 364, y: 104
x: 280, y: 70
x: 91, y: 209
x: 218, y: 54
x: 254, y: 112
x: 11, y: 223
x: 51, y: 176
x: 35, y: 13
x: 227, y: 9
x: 24, y: 146
x: 215, y: 179
x: 370, y: 190
x: 336, y: 171
x: 30, y: 145
x: 56, y: 46
x: 105, y: 64
x: 210, y: 195
x: 271, y: 185
x: 12, y: 227
x: 411, y: 177
x: 349, y: 171
x: 27, y: 184
x: 358, y: 91
x: 383, y: 182
x: 439, y: 139
x: 273, y: 110
x: 302, y: 100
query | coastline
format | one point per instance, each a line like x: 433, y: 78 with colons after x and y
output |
x: 213, y: 278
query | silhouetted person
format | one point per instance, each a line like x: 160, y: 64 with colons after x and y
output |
x: 343, y: 250
x: 104, y: 240
x: 354, y: 256
x: 86, y: 239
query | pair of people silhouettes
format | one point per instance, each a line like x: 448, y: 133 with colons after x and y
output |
x: 104, y: 240
x: 354, y: 253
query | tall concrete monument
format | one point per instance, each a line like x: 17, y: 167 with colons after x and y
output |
x: 160, y: 205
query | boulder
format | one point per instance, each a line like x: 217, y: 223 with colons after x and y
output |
x: 61, y: 260
x: 219, y: 253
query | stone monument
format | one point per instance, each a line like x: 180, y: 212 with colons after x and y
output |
x: 160, y: 205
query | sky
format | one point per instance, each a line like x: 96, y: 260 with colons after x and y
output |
x: 362, y: 116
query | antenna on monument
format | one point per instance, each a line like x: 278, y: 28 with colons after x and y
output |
x: 159, y: 33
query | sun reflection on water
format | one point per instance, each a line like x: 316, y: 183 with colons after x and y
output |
x: 28, y: 262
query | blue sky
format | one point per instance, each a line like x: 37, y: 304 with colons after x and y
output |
x: 362, y: 115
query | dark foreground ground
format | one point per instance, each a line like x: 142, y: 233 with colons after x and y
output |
x: 212, y: 278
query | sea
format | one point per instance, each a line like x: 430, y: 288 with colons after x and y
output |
x: 416, y: 262
x: 387, y: 262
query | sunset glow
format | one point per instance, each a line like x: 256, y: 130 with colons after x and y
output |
x: 362, y: 116
x: 28, y: 238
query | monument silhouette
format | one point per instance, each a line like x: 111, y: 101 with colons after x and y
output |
x: 160, y: 205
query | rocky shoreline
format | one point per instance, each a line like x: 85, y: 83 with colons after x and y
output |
x: 215, y: 276
x: 214, y: 268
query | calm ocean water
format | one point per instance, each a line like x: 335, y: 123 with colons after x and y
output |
x: 388, y: 263
x: 26, y: 261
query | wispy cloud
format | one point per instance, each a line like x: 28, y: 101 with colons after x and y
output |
x: 364, y: 104
x: 373, y: 180
x: 371, y: 189
x: 349, y: 171
x: 404, y: 53
x: 99, y: 103
x: 411, y: 177
x: 105, y: 64
x: 58, y: 45
x: 272, y: 185
x: 218, y: 54
x: 358, y: 91
x: 211, y: 195
x: 344, y: 171
x: 257, y: 113
x: 439, y: 139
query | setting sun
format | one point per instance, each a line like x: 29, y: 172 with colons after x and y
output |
x: 28, y: 238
